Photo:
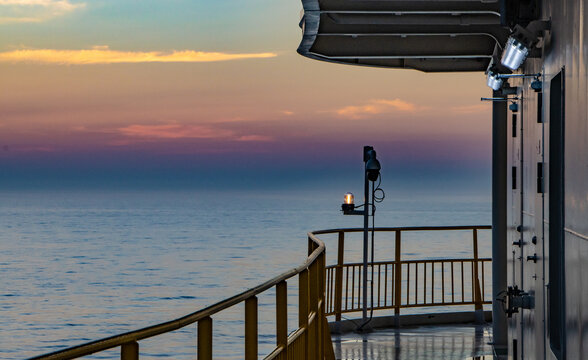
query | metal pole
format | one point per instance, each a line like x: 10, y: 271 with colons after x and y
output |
x: 366, y: 214
x: 499, y: 209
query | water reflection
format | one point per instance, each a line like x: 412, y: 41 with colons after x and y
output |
x: 426, y: 342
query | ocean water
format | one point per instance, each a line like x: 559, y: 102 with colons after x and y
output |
x: 79, y: 265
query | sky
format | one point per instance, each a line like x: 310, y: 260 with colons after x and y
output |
x: 212, y: 94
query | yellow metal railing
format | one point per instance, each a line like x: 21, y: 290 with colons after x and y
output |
x: 323, y: 291
x: 311, y: 340
x: 401, y: 283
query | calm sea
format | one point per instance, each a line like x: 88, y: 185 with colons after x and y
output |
x: 80, y: 265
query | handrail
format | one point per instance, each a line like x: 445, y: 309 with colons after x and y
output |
x: 312, y: 338
x: 406, y: 228
x: 343, y: 292
x: 315, y: 257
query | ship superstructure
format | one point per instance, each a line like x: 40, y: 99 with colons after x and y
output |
x: 534, y: 55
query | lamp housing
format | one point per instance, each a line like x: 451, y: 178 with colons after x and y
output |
x: 521, y: 42
x: 494, y: 81
x: 348, y: 205
x: 514, y: 54
x: 372, y: 167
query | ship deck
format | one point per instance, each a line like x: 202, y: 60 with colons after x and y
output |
x: 459, y: 342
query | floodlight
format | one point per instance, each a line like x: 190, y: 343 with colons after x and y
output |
x: 494, y: 80
x: 521, y: 42
x: 515, y: 52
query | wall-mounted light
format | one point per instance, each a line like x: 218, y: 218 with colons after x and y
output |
x: 521, y: 42
x: 493, y: 80
x: 515, y: 52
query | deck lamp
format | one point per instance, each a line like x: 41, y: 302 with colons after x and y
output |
x: 522, y: 42
x: 372, y: 169
x: 348, y: 203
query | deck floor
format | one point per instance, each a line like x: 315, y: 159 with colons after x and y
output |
x: 423, y: 342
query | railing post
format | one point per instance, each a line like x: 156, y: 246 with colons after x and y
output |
x: 205, y: 339
x: 303, y: 308
x: 327, y: 352
x: 282, y: 316
x: 129, y: 351
x: 321, y: 304
x: 251, y: 328
x: 339, y: 276
x: 313, y: 302
x: 479, y: 311
x: 397, y: 278
x: 311, y: 246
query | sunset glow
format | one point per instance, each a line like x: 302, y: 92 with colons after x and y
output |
x: 114, y: 85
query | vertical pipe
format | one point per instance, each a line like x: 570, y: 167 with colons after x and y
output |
x: 339, y: 275
x: 366, y: 214
x: 397, y: 279
x: 499, y: 209
x: 479, y: 311
x: 205, y: 339
x: 130, y: 351
x: 251, y: 328
x: 281, y: 316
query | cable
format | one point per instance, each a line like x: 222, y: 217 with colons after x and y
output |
x: 378, y: 189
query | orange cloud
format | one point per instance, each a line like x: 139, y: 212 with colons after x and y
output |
x: 179, y: 131
x: 377, y: 106
x: 174, y: 131
x: 104, y: 55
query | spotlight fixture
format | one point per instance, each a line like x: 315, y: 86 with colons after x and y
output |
x: 494, y: 72
x: 494, y: 81
x: 515, y: 52
x: 521, y: 42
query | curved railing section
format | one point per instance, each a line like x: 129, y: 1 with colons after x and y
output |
x: 401, y: 283
x: 323, y: 291
x: 311, y: 340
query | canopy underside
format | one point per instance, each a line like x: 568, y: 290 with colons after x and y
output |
x: 432, y: 36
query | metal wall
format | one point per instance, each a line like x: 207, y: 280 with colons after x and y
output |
x: 566, y: 47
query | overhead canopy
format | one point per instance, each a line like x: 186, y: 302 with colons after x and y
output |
x: 432, y: 36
